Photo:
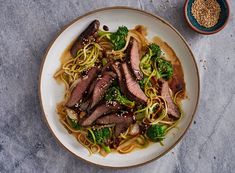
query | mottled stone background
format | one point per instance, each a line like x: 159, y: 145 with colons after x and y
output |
x: 26, y: 144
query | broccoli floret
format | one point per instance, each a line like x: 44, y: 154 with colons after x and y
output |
x: 74, y: 124
x: 151, y: 60
x: 100, y: 136
x: 164, y: 69
x: 155, y: 50
x: 143, y: 82
x: 146, y: 64
x: 147, y: 60
x: 156, y: 132
x: 118, y: 38
x: 114, y: 94
x: 122, y: 30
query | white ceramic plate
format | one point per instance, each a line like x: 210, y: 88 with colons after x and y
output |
x: 51, y: 93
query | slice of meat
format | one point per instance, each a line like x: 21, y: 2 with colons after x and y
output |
x: 117, y: 69
x: 134, y: 59
x: 165, y: 93
x: 99, y: 111
x: 122, y: 122
x: 114, y: 119
x: 116, y: 142
x: 106, y: 67
x: 133, y: 88
x: 82, y: 87
x: 101, y: 87
x: 85, y: 37
x: 177, y: 83
x: 84, y: 105
x: 91, y: 88
x: 120, y: 128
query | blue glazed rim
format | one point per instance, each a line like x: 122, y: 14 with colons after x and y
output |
x: 224, y: 15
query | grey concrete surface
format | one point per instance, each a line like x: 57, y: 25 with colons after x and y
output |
x: 26, y: 144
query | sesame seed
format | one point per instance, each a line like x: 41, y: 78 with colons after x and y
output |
x: 206, y: 12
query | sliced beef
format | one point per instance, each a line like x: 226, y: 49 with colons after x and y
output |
x: 122, y: 122
x: 88, y: 34
x: 91, y: 88
x: 114, y: 119
x: 172, y: 108
x: 134, y: 59
x: 106, y: 67
x: 82, y: 86
x: 177, y: 83
x: 120, y: 128
x: 133, y: 88
x: 98, y: 112
x: 116, y: 66
x: 116, y: 142
x: 84, y: 105
x: 102, y: 84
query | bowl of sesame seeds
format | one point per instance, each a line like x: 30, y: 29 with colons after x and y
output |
x: 206, y: 16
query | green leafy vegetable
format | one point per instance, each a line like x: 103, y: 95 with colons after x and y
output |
x: 106, y: 148
x: 154, y: 50
x: 141, y: 112
x: 104, y: 33
x: 156, y: 132
x: 143, y: 82
x: 114, y: 94
x: 146, y: 62
x: 117, y: 38
x: 100, y: 136
x: 164, y: 69
x: 104, y: 61
x: 145, y: 65
x: 74, y: 124
x: 151, y: 61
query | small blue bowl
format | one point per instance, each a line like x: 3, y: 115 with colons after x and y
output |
x: 224, y: 15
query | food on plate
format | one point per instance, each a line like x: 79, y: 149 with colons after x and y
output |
x: 122, y: 91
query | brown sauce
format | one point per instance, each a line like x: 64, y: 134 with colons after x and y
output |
x: 141, y: 29
x: 176, y: 83
x: 66, y: 55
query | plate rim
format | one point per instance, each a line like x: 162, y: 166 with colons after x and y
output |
x: 100, y: 10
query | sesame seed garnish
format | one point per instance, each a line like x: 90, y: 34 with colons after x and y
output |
x: 206, y: 12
